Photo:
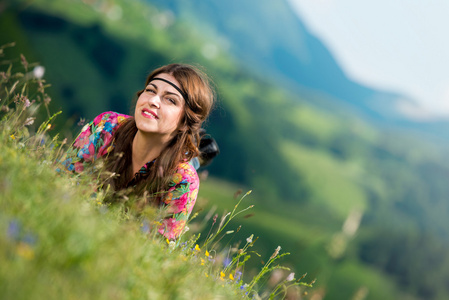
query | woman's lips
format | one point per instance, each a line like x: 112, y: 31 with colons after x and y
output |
x: 149, y: 114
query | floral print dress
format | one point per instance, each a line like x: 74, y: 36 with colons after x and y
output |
x: 95, y: 141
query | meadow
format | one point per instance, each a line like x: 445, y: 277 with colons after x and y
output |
x: 60, y: 240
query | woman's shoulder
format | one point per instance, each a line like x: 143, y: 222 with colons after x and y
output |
x: 185, y: 173
x: 110, y: 117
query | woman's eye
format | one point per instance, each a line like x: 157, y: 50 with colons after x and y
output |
x: 150, y: 90
x: 171, y: 100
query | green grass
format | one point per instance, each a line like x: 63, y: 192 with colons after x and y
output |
x: 334, y: 181
x: 57, y: 242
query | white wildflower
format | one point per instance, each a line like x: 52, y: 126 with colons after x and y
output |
x: 38, y: 72
x: 249, y: 240
x: 29, y: 121
x: 290, y: 277
x: 171, y: 245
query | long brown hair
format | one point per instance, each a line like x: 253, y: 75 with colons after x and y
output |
x: 183, y: 147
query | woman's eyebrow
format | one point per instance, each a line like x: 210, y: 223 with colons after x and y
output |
x: 172, y: 93
x: 166, y: 92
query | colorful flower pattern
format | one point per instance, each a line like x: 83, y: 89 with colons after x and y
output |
x: 95, y: 141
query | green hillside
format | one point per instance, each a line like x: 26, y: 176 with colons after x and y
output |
x: 62, y: 237
x: 309, y: 169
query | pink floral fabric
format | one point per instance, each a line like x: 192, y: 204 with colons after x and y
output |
x: 95, y: 141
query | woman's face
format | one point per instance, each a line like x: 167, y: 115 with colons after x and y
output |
x: 159, y: 109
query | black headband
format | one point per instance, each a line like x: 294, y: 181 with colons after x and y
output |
x: 184, y: 95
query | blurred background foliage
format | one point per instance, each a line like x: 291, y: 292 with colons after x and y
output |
x: 357, y: 192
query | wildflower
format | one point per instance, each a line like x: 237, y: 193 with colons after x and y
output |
x: 29, y: 239
x: 276, y: 252
x: 12, y: 136
x: 145, y: 227
x: 171, y: 245
x: 238, y: 274
x: 13, y: 229
x: 24, y: 250
x: 29, y: 121
x: 40, y: 88
x: 26, y: 102
x: 290, y: 277
x: 47, y: 100
x: 231, y: 277
x: 38, y: 72
x: 222, y: 275
x: 202, y: 261
x: 226, y: 262
x: 207, y: 253
x: 249, y: 240
x: 206, y: 274
x: 81, y: 122
x: 197, y: 248
x: 186, y: 228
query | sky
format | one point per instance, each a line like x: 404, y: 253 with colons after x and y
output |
x: 395, y: 45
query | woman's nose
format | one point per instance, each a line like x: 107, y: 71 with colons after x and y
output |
x: 155, y: 101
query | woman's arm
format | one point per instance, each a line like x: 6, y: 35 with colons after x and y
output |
x: 180, y: 199
x: 94, y: 141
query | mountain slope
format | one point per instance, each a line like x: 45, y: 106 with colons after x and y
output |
x: 268, y: 37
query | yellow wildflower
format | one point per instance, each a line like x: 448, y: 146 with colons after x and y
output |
x: 197, y: 248
x: 206, y: 274
x: 24, y: 250
x: 231, y: 277
x: 207, y: 253
x: 202, y: 262
x: 222, y: 275
x: 12, y: 136
x: 168, y: 242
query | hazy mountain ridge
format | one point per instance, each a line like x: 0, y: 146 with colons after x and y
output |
x: 269, y: 37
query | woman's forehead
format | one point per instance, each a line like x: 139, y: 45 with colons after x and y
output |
x: 168, y: 82
x: 168, y: 77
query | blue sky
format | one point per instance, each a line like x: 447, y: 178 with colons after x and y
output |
x: 396, y: 45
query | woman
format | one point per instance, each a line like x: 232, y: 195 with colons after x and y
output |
x: 150, y: 152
